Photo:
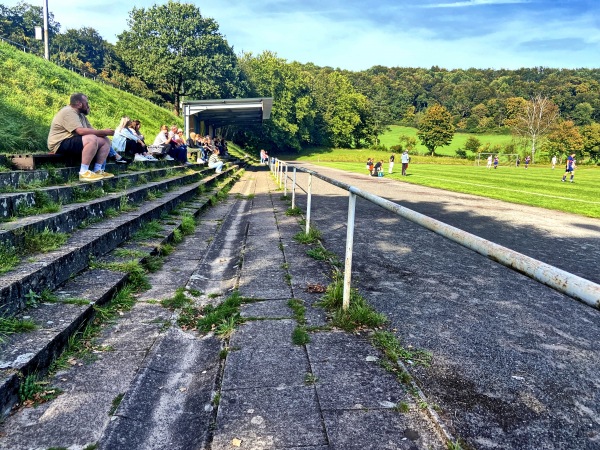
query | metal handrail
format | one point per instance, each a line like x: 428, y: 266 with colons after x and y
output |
x: 567, y: 283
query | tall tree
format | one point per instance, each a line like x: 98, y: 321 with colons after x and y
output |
x: 536, y: 120
x: 564, y: 139
x: 339, y: 109
x: 591, y: 141
x: 435, y: 128
x: 180, y: 53
x: 86, y: 44
x: 292, y: 117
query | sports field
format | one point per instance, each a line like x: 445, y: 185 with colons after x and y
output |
x: 536, y: 186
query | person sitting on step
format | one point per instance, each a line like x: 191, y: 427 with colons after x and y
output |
x: 126, y: 141
x: 214, y: 162
x: 72, y: 135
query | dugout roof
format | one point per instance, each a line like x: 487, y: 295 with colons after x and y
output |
x: 237, y: 111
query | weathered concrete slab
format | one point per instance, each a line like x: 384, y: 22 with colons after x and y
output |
x: 268, y: 284
x: 269, y: 418
x: 349, y: 375
x: 264, y: 356
x: 169, y: 405
x: 269, y: 309
x: 379, y: 430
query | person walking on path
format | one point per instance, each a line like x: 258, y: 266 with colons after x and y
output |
x: 553, y: 162
x: 405, y: 160
x: 72, y: 135
x: 391, y: 163
x: 527, y: 161
x: 570, y: 168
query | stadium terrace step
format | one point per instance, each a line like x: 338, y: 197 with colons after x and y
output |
x: 34, y: 160
x: 76, y: 301
x: 48, y: 270
x: 37, y: 192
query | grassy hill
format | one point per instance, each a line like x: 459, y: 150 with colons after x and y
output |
x: 392, y: 137
x: 32, y: 90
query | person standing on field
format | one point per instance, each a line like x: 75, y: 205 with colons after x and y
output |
x: 527, y: 161
x: 553, y: 162
x: 489, y: 162
x: 496, y: 162
x: 391, y: 163
x: 570, y: 168
x: 405, y: 160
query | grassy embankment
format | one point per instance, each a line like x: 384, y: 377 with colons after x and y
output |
x: 32, y: 90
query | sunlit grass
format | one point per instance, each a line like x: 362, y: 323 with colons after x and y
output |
x: 537, y: 186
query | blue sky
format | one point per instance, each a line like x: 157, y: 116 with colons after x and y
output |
x: 356, y: 35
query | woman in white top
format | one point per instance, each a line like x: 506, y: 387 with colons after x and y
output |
x: 125, y: 140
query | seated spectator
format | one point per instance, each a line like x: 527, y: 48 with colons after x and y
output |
x: 192, y: 141
x: 214, y: 162
x: 71, y: 134
x: 178, y: 149
x: 378, y: 169
x: 125, y: 140
x: 135, y: 128
x: 163, y: 139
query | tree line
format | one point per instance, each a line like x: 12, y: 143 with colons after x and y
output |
x: 170, y: 52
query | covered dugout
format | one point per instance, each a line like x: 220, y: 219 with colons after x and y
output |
x: 208, y: 116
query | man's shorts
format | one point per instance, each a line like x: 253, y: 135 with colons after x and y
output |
x: 569, y: 169
x: 71, y: 146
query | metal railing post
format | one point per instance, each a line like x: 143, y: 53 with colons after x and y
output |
x: 308, y: 201
x: 294, y: 189
x: 349, y: 250
x: 285, y: 177
x: 280, y: 173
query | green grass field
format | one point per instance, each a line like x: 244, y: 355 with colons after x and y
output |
x: 392, y: 137
x: 537, y: 186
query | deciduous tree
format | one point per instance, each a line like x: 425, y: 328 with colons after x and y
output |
x: 564, y: 138
x: 536, y: 120
x: 591, y: 141
x: 180, y: 53
x: 435, y: 128
x: 293, y: 113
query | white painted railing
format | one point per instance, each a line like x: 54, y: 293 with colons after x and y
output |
x: 572, y: 285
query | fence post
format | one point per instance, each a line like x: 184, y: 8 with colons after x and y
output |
x: 294, y: 189
x: 349, y: 249
x: 285, y: 181
x: 308, y: 201
x: 279, y: 172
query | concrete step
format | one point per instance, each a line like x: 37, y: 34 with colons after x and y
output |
x: 23, y: 354
x: 53, y: 268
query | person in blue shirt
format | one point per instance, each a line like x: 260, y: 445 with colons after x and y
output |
x: 570, y: 169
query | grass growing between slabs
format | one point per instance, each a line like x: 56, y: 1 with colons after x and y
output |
x: 536, y: 186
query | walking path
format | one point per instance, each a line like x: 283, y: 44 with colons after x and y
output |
x: 153, y: 385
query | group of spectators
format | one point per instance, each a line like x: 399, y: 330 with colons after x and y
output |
x: 72, y: 135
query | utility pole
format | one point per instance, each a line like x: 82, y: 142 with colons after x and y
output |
x: 46, y: 47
